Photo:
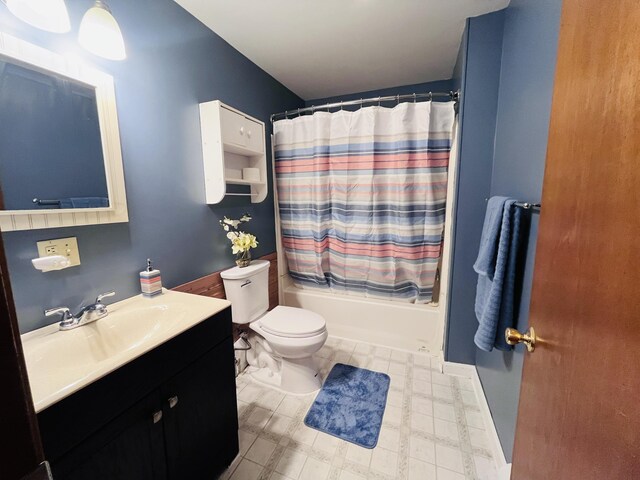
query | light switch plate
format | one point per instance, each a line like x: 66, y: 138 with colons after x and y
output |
x: 67, y: 247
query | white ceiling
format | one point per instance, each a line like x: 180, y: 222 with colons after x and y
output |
x: 321, y: 48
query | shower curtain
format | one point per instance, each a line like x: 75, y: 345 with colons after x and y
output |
x: 362, y: 198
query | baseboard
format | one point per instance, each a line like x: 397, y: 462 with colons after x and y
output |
x: 469, y: 371
x: 232, y: 468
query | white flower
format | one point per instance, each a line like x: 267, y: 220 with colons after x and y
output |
x: 243, y: 242
x: 240, y: 241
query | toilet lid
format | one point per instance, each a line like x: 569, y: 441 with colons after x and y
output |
x: 292, y: 322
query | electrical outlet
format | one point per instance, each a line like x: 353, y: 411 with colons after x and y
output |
x: 67, y: 247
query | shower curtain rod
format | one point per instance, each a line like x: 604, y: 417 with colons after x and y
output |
x: 452, y: 95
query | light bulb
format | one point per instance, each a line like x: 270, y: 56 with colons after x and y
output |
x: 49, y: 15
x: 100, y: 34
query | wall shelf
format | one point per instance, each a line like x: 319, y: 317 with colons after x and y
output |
x: 239, y: 181
x: 231, y: 141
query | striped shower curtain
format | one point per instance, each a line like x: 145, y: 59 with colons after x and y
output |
x: 362, y: 198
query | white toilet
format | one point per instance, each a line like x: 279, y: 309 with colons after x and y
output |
x: 287, y: 336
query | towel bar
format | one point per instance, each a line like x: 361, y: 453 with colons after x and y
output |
x: 525, y: 205
x: 528, y: 206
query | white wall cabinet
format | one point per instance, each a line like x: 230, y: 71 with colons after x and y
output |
x: 231, y: 142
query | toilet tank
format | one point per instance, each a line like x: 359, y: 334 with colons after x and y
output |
x: 247, y: 289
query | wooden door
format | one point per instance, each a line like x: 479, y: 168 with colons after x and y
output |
x: 21, y: 451
x: 579, y: 413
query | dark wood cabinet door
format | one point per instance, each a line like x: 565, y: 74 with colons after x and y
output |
x: 129, y: 448
x: 201, y: 421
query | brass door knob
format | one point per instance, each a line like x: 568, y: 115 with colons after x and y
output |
x: 514, y: 337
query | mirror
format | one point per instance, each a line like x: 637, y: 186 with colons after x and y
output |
x: 50, y: 148
x: 60, y: 157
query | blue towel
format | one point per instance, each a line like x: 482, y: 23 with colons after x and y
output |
x: 496, y: 268
x: 84, y: 202
x: 486, y: 261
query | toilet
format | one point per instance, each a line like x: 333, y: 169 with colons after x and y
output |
x: 287, y: 337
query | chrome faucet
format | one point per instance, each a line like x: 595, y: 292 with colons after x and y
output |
x: 87, y: 314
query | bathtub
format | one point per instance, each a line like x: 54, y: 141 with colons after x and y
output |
x: 383, y: 322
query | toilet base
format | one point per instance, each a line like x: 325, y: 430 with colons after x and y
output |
x: 265, y: 375
x: 298, y: 376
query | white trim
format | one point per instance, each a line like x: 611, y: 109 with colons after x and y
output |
x: 459, y: 369
x: 46, y: 61
x: 231, y: 468
x: 449, y: 222
x: 469, y: 371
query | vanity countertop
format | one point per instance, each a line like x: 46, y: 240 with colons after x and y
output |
x: 60, y: 363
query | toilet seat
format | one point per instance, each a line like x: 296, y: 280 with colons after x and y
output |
x: 292, y: 322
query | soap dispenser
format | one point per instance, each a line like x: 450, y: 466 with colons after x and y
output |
x: 150, y: 281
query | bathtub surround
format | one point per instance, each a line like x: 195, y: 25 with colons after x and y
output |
x: 174, y: 63
x: 507, y: 71
x: 416, y: 326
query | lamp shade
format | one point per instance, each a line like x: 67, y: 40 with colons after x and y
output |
x: 49, y: 15
x: 100, y: 34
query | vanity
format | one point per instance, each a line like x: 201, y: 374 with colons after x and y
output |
x: 147, y: 392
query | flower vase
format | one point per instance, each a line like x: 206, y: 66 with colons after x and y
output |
x: 243, y: 259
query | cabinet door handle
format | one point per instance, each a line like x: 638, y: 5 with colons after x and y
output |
x: 241, y: 130
x: 249, y: 134
x: 157, y: 416
x: 173, y: 401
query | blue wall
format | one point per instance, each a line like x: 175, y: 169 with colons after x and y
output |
x: 478, y: 72
x: 506, y: 71
x: 174, y: 62
x: 529, y: 53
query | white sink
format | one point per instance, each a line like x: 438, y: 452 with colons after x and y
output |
x: 60, y: 363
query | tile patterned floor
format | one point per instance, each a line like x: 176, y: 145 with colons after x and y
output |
x: 432, y: 427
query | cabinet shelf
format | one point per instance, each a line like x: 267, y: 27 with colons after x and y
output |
x: 231, y: 141
x: 239, y: 181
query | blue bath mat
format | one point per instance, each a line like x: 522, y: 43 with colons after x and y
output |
x: 350, y: 405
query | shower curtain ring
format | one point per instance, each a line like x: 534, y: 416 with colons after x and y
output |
x: 414, y: 98
x: 397, y: 99
x: 379, y: 98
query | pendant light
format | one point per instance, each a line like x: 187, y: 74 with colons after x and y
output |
x: 49, y: 15
x: 100, y: 33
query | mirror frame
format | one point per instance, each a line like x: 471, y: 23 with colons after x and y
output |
x: 38, y: 58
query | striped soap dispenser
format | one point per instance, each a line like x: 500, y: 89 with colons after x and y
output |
x: 150, y: 281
